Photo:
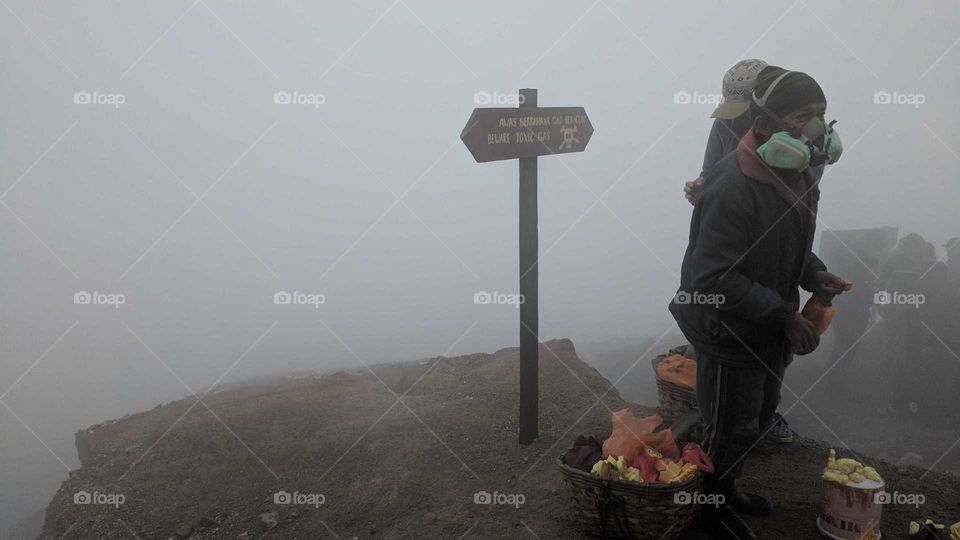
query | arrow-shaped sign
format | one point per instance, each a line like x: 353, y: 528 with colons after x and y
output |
x: 494, y: 134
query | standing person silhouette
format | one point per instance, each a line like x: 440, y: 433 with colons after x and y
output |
x: 749, y: 248
x: 732, y: 120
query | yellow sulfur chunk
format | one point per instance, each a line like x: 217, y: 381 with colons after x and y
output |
x: 833, y: 475
x: 686, y: 472
x: 615, y: 468
x: 856, y: 477
x: 671, y: 469
x: 872, y: 474
x: 955, y: 531
x: 847, y: 465
x: 914, y: 527
x: 601, y: 469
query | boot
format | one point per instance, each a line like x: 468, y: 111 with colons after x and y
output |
x: 724, y: 523
x: 743, y: 502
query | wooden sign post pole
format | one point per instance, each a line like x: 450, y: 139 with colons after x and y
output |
x: 524, y: 133
x: 529, y: 342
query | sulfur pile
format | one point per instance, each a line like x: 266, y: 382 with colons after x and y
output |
x: 846, y: 471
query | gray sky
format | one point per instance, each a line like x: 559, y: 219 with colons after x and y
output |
x: 103, y: 197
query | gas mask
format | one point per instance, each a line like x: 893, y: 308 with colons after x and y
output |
x: 815, y: 143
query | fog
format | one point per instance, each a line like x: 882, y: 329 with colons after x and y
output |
x: 198, y: 197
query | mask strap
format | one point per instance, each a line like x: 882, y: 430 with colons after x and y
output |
x: 762, y: 102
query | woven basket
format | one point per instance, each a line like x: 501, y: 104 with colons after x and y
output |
x: 675, y: 400
x: 629, y: 510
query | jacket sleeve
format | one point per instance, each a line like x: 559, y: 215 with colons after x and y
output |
x: 714, y: 150
x: 723, y: 241
x: 812, y: 265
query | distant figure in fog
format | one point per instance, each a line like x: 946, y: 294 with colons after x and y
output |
x: 851, y: 322
x: 939, y: 339
x: 900, y: 306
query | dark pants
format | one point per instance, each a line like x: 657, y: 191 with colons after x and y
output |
x: 738, y: 404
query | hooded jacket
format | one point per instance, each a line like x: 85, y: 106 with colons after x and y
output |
x: 749, y: 250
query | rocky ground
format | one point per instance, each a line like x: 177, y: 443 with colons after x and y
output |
x: 395, y: 468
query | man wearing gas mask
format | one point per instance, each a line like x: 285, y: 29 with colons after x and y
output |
x: 749, y: 251
x: 732, y: 120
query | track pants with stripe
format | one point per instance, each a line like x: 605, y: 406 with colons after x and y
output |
x: 738, y: 402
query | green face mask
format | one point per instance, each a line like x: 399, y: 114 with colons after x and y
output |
x: 813, y: 144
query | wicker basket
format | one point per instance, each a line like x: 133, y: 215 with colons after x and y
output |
x: 675, y: 400
x: 629, y: 510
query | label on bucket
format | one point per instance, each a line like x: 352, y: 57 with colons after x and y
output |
x: 849, y: 510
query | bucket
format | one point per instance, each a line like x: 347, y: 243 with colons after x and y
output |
x: 847, y: 511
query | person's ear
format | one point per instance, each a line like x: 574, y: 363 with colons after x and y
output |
x: 761, y: 127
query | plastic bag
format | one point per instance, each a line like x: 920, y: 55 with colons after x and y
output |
x: 692, y: 453
x: 632, y: 435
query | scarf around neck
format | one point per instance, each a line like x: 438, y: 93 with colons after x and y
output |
x: 797, y: 192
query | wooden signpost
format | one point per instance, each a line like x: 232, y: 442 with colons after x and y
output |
x: 524, y: 133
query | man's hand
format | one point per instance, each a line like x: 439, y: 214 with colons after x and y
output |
x: 802, y: 334
x: 692, y: 190
x: 828, y: 285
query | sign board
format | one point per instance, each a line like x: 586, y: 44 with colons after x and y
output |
x: 496, y: 134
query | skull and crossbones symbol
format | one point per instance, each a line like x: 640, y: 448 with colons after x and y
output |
x: 568, y: 138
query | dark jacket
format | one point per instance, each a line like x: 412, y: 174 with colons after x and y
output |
x: 749, y: 249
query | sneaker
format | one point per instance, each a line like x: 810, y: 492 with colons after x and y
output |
x: 780, y: 432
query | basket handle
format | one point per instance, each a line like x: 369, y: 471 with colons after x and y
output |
x: 612, y: 505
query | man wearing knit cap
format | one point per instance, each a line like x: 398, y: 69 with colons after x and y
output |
x: 749, y: 252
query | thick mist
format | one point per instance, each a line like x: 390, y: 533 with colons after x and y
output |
x: 147, y: 157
